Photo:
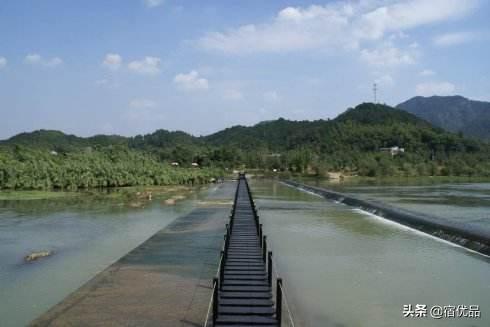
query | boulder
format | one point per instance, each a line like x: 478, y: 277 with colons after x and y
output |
x: 37, y: 255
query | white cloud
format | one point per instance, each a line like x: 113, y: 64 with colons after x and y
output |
x: 232, y: 94
x: 427, y: 72
x: 292, y: 29
x: 146, y: 66
x: 272, y: 96
x: 53, y: 62
x: 142, y: 103
x: 333, y: 26
x: 32, y: 59
x: 387, y: 56
x: 112, y: 61
x: 36, y: 59
x: 153, y: 3
x: 3, y: 62
x: 450, y: 39
x: 405, y: 15
x: 191, y: 81
x: 435, y: 88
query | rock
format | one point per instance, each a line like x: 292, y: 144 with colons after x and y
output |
x: 37, y: 255
x: 170, y: 201
x: 136, y: 204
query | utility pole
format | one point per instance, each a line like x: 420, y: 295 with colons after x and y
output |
x: 375, y: 91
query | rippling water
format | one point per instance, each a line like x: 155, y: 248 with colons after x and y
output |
x: 463, y: 202
x: 344, y: 267
x: 86, y: 237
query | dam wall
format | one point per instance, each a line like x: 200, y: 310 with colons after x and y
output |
x: 462, y: 234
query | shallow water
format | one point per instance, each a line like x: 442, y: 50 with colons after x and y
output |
x: 85, y: 238
x: 344, y: 267
x: 468, y: 203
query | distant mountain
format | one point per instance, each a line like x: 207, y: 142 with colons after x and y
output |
x: 453, y: 113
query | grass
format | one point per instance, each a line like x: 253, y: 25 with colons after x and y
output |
x: 123, y: 193
x: 35, y: 195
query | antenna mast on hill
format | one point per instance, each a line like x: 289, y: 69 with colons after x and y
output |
x: 375, y: 91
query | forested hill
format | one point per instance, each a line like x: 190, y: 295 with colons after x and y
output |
x: 453, y: 113
x: 351, y: 143
x: 367, y: 127
x: 56, y: 140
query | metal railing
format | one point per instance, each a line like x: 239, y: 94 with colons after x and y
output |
x: 282, y: 316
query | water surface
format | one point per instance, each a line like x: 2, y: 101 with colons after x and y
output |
x: 467, y: 203
x: 86, y: 234
x: 344, y: 267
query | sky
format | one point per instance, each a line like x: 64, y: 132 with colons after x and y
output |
x: 130, y: 67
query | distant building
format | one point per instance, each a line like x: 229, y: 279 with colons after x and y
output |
x: 194, y: 164
x: 394, y: 150
x: 54, y: 153
x: 175, y: 164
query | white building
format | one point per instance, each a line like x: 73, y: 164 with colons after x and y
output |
x: 394, y: 150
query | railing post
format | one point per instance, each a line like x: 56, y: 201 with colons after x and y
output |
x: 279, y: 301
x: 269, y: 269
x: 257, y: 224
x: 264, y: 247
x: 222, y: 270
x: 260, y: 234
x: 227, y: 244
x: 215, y: 300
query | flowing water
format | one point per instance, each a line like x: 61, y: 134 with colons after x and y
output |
x: 85, y: 235
x: 345, y: 267
x: 341, y: 266
x: 468, y: 203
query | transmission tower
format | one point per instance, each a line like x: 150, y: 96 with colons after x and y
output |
x: 375, y: 92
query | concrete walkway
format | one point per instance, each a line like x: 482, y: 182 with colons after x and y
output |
x: 166, y: 281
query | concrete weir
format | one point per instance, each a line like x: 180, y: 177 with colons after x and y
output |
x: 458, y: 233
x: 166, y: 281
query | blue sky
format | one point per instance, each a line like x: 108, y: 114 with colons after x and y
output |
x: 133, y: 66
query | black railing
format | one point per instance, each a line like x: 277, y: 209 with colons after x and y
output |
x: 266, y: 255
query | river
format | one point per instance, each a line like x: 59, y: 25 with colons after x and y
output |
x: 346, y: 267
x: 342, y: 267
x: 86, y: 234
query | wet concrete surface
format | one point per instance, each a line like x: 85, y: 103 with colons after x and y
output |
x: 166, y: 281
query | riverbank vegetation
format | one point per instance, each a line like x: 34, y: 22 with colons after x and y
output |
x: 357, y: 142
x: 24, y: 167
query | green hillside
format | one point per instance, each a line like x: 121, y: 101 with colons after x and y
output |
x: 453, y: 113
x: 350, y: 143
